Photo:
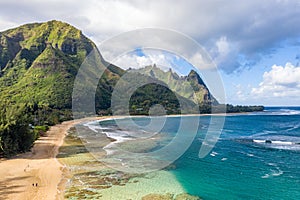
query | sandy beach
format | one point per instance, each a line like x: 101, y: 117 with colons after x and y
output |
x: 37, y: 174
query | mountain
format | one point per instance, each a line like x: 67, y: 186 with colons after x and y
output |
x: 38, y: 65
x: 144, y: 92
x: 191, y: 86
x: 38, y: 59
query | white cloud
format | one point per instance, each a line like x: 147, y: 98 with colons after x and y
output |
x: 160, y: 40
x: 225, y: 54
x: 163, y: 60
x: 223, y: 46
x: 232, y: 29
x: 280, y: 81
x: 150, y: 57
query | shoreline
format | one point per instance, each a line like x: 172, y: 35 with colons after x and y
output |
x: 38, y: 174
x: 41, y: 167
x: 89, y: 178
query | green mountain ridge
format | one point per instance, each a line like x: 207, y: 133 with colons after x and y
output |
x: 38, y: 65
x: 40, y: 58
x: 191, y: 86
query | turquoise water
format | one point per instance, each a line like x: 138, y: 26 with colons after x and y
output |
x: 256, y: 157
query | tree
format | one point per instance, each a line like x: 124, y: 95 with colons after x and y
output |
x: 15, y: 133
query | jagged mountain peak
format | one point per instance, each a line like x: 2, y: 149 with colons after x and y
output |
x: 199, y: 93
x: 193, y: 75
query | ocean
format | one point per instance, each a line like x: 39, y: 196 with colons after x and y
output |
x: 242, y: 165
x: 256, y: 157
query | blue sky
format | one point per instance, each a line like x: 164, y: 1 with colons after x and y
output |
x: 255, y: 44
x: 238, y: 85
x: 249, y: 78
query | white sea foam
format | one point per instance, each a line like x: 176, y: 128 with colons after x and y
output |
x: 287, y: 112
x: 213, y: 153
x: 266, y: 176
x: 294, y: 127
x: 277, y: 172
x: 275, y: 142
x: 282, y: 142
x: 93, y: 126
x: 259, y: 141
x: 272, y: 164
x: 284, y: 111
x: 119, y: 137
x: 273, y: 173
x: 268, y: 132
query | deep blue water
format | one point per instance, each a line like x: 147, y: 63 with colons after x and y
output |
x: 256, y: 157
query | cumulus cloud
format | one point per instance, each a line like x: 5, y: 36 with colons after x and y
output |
x: 161, y: 40
x: 280, y: 81
x: 149, y: 57
x: 237, y: 33
x: 162, y: 59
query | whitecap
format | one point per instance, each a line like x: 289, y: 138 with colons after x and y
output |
x: 259, y: 141
x: 282, y: 142
x: 294, y: 127
x: 273, y: 173
x: 288, y: 112
x: 213, y: 153
x: 266, y: 176
x: 272, y: 164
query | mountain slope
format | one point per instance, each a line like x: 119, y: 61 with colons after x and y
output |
x: 39, y: 63
x: 191, y: 86
x: 38, y: 66
x: 37, y: 59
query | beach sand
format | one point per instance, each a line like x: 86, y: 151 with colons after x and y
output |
x: 37, y: 174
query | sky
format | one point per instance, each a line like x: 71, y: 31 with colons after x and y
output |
x: 254, y: 44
